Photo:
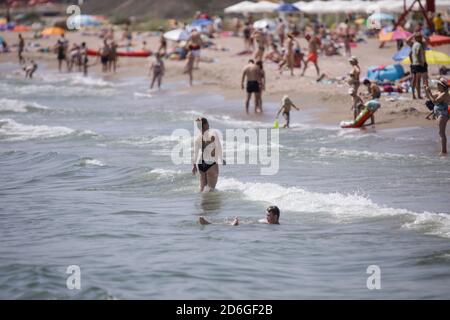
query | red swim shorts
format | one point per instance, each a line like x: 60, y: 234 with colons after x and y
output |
x: 312, y: 57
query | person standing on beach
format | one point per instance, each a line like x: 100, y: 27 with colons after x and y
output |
x: 158, y: 69
x: 354, y: 74
x: 262, y: 85
x: 207, y: 155
x: 252, y: 74
x: 281, y: 31
x: 289, y: 55
x: 104, y: 54
x: 313, y: 46
x: 417, y: 56
x: 247, y: 32
x: 21, y: 48
x: 84, y: 58
x: 162, y: 50
x: 61, y: 51
x: 357, y: 102
x: 189, y: 68
x: 195, y: 44
x: 112, y: 59
x: 260, y: 39
x: 441, y: 102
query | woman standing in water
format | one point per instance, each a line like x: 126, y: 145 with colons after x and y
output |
x: 207, y: 154
x: 441, y: 101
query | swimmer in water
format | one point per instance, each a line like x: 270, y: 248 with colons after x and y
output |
x: 272, y: 217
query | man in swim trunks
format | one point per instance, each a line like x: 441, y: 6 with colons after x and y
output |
x: 285, y: 109
x: 104, y: 53
x: 313, y: 46
x: 207, y: 155
x: 272, y: 217
x: 253, y: 75
x: 195, y: 44
x: 61, y: 51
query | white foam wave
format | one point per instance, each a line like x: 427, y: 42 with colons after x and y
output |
x: 11, y: 130
x: 348, y: 153
x: 11, y: 105
x: 341, y: 208
x: 92, y: 162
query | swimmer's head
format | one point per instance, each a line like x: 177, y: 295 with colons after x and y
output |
x: 273, y: 215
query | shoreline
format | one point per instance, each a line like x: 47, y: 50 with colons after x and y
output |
x: 329, y: 103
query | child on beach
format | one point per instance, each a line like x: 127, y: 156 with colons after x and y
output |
x: 285, y: 109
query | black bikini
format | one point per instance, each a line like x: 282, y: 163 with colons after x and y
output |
x: 203, y: 167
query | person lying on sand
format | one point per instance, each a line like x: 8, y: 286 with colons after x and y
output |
x: 272, y: 217
x: 285, y: 110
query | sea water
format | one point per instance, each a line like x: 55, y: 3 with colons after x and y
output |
x: 87, y: 180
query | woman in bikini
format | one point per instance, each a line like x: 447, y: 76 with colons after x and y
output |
x: 207, y: 155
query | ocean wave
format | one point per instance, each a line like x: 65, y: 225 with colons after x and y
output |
x: 341, y: 208
x: 91, y: 162
x: 18, y: 106
x: 11, y: 130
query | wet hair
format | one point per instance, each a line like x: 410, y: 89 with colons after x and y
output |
x: 251, y: 61
x: 274, y: 210
x: 366, y: 81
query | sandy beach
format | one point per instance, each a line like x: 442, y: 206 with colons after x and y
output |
x: 330, y: 102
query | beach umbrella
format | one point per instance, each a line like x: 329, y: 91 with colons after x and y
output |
x: 433, y: 57
x: 241, y: 7
x: 263, y: 7
x: 402, y: 54
x: 84, y: 20
x: 438, y: 40
x: 265, y: 24
x: 201, y: 23
x: 54, y: 31
x: 379, y: 19
x: 288, y: 8
x: 398, y: 34
x: 177, y: 35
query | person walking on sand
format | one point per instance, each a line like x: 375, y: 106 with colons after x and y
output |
x: 20, y: 49
x: 158, y: 69
x: 313, y: 46
x: 285, y: 110
x: 272, y: 217
x: 251, y: 74
x: 354, y: 74
x: 288, y: 56
x: 207, y: 155
x: 441, y: 101
x: 189, y: 67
